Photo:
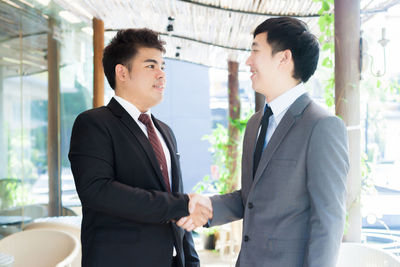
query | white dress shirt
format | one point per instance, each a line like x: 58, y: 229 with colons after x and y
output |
x: 279, y: 107
x: 135, y: 113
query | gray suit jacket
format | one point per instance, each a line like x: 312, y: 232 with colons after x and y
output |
x: 294, y: 210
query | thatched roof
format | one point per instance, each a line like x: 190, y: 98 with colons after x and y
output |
x: 208, y: 32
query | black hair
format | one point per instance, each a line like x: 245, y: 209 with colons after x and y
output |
x: 293, y: 34
x: 124, y: 46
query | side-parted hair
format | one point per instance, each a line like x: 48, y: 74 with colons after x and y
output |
x: 124, y: 46
x: 289, y: 33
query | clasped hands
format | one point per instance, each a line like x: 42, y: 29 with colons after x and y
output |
x: 200, y: 209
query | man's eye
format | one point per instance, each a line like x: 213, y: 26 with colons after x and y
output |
x: 150, y: 66
x: 162, y: 67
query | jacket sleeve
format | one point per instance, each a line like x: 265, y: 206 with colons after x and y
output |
x: 327, y: 167
x: 191, y: 257
x: 92, y: 163
x: 227, y: 208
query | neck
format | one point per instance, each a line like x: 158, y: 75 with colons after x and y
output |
x: 279, y: 89
x: 140, y: 106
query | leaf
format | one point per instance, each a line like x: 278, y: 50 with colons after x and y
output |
x: 378, y: 83
x: 325, y: 6
x: 322, y: 24
x: 327, y: 46
x: 327, y: 62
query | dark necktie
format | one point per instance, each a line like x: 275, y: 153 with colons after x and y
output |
x: 156, y: 144
x: 261, y: 138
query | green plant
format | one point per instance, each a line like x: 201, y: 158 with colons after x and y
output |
x: 13, y: 193
x: 219, y: 149
x: 326, y: 24
x: 8, y: 192
x: 20, y: 173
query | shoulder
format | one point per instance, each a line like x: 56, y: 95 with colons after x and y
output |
x: 324, y: 126
x: 96, y: 117
x: 94, y: 113
x: 321, y: 117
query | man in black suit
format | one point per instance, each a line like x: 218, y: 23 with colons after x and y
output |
x: 126, y: 166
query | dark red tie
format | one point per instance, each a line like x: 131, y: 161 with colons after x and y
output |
x: 156, y: 144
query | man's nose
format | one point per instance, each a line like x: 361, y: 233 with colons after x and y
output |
x: 160, y: 74
x: 248, y: 61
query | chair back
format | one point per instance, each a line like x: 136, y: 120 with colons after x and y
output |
x: 361, y: 255
x: 41, y: 248
x: 68, y: 228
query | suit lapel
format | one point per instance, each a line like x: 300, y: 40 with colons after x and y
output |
x: 165, y: 132
x: 277, y: 137
x: 287, y: 122
x: 130, y: 123
x: 249, y: 143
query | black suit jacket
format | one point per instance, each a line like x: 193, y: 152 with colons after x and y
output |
x: 127, y: 211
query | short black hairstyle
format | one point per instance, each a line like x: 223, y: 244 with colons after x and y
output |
x: 124, y: 46
x: 293, y: 34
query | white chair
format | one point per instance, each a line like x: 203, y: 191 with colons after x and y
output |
x: 362, y: 255
x: 68, y: 228
x: 41, y: 248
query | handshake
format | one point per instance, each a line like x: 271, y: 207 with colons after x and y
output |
x: 200, y: 209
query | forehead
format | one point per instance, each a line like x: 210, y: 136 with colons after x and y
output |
x: 145, y: 53
x: 260, y: 40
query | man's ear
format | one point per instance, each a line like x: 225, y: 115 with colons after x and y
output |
x: 286, y: 57
x: 121, y: 73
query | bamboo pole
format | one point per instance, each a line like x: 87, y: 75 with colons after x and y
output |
x: 53, y: 130
x: 347, y: 101
x: 98, y: 72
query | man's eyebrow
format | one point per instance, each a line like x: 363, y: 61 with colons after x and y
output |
x: 254, y: 44
x: 150, y: 60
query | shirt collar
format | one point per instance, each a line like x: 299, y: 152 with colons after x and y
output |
x: 130, y: 108
x: 284, y: 101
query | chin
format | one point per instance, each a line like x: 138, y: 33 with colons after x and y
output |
x: 257, y: 89
x: 158, y: 100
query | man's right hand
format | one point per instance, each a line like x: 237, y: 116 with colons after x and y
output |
x: 200, y: 209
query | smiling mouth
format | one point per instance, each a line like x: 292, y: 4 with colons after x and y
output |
x: 159, y: 87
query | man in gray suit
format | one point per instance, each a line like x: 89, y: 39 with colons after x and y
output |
x: 295, y: 160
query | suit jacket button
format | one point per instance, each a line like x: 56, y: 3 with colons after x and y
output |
x: 246, y: 238
x: 250, y: 205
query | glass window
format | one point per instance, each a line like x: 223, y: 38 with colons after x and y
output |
x: 23, y: 115
x: 76, y: 83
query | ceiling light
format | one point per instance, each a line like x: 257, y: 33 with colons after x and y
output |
x: 69, y: 16
x: 43, y: 2
x: 11, y: 60
x: 87, y: 30
x: 26, y: 3
x: 16, y: 61
x: 11, y: 3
